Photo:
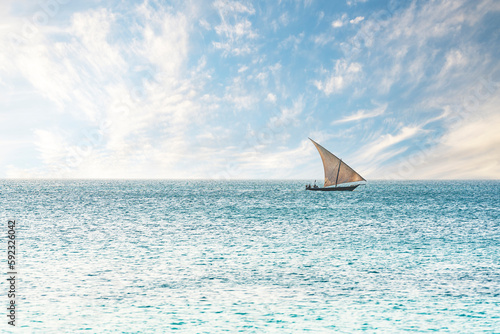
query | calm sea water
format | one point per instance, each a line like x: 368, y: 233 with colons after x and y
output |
x: 255, y: 256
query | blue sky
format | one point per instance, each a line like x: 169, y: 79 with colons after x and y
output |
x: 233, y: 89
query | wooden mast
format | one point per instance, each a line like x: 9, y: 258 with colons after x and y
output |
x: 336, y: 180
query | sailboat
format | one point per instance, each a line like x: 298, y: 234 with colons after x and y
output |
x: 337, y: 173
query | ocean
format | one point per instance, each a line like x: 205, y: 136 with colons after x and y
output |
x: 253, y: 257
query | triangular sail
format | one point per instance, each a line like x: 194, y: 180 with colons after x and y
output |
x: 336, y: 171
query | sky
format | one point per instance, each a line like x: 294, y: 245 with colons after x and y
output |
x: 234, y: 89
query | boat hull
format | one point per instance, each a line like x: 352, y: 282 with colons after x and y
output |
x: 341, y: 188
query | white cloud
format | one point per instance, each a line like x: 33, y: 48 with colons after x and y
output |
x: 92, y: 29
x: 239, y: 96
x: 374, y: 152
x: 292, y: 41
x: 128, y: 127
x: 340, y: 22
x: 236, y: 32
x: 391, y: 41
x: 343, y: 74
x: 357, y: 20
x: 337, y: 23
x: 288, y: 116
x: 355, y: 2
x: 362, y: 114
x: 284, y: 19
x: 470, y: 149
x: 205, y: 25
x: 323, y: 39
x: 271, y: 98
x: 69, y: 70
x: 395, y: 37
x: 454, y: 58
x: 262, y: 77
x: 51, y: 146
x: 233, y: 7
x: 256, y: 162
x: 165, y: 42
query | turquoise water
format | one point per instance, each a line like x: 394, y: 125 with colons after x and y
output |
x: 255, y: 256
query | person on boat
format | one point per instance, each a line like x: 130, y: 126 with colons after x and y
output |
x: 315, y: 186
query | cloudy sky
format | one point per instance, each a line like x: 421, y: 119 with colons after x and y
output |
x: 233, y: 89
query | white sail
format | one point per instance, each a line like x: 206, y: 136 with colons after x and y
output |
x: 336, y: 171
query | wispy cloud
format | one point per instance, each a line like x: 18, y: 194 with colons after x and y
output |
x: 235, y: 30
x: 271, y: 98
x: 454, y: 59
x: 357, y: 20
x: 323, y: 39
x: 288, y: 116
x: 374, y: 152
x: 340, y: 22
x: 227, y: 6
x: 143, y: 124
x: 468, y: 150
x: 438, y: 78
x: 292, y: 41
x: 342, y: 75
x: 362, y: 114
x: 277, y: 165
x: 355, y: 2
